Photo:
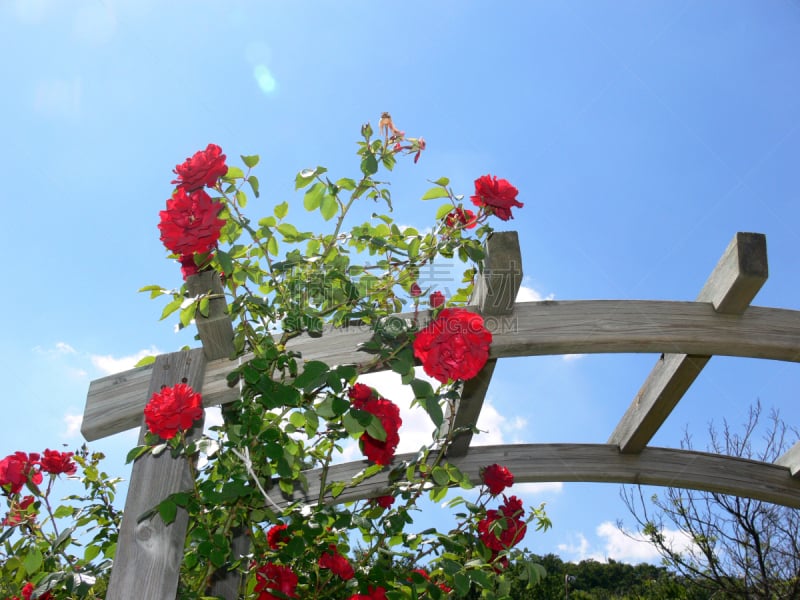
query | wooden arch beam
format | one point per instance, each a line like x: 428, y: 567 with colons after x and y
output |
x: 730, y: 288
x: 115, y: 403
x: 602, y: 463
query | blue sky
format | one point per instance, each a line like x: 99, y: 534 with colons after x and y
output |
x: 641, y: 135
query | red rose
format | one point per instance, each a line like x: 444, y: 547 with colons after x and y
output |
x: 437, y: 299
x: 415, y: 290
x: 497, y: 195
x: 460, y: 216
x: 454, y: 346
x: 191, y: 223
x: 503, y: 528
x: 17, y: 469
x: 277, y: 578
x: 172, y: 409
x: 378, y: 593
x: 360, y: 393
x: 276, y: 536
x: 55, y: 462
x: 384, y: 501
x: 379, y: 452
x: 497, y: 478
x: 204, y: 168
x: 337, y: 563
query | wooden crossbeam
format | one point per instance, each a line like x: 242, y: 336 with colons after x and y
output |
x: 495, y: 293
x: 601, y: 463
x: 115, y: 403
x: 730, y: 288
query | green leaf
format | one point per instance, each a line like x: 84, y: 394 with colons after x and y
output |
x: 441, y: 476
x: 297, y: 419
x: 171, y: 307
x: 272, y: 246
x: 91, y: 553
x: 32, y: 561
x: 422, y: 389
x: 241, y: 198
x: 187, y: 314
x: 313, y: 197
x: 63, y: 511
x: 136, y: 453
x: 251, y: 161
x: 352, y: 425
x: 329, y: 207
x: 375, y: 429
x: 462, y: 583
x: 433, y: 408
x: 413, y: 248
x: 443, y: 211
x: 346, y: 183
x: 234, y: 173
x: 253, y: 181
x: 306, y: 176
x: 369, y: 166
x: 225, y: 261
x: 313, y: 375
x: 442, y: 181
x: 436, y: 192
x: 168, y: 510
x: 281, y: 210
x: 147, y: 360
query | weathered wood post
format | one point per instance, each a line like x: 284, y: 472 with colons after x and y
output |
x: 149, y: 553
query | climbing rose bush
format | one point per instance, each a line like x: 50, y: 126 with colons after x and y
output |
x: 268, y: 502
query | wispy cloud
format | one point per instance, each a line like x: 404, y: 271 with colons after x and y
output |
x: 528, y: 294
x: 109, y: 364
x: 620, y: 545
x: 72, y: 425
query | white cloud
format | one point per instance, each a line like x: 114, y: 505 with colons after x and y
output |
x: 572, y: 357
x: 620, y: 545
x: 64, y: 348
x: 73, y: 425
x: 109, y: 364
x: 528, y: 294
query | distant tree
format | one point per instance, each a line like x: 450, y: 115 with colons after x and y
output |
x: 741, y: 548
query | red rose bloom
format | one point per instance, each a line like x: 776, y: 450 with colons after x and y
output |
x: 497, y: 478
x: 360, y: 393
x: 172, y: 409
x: 203, y: 169
x: 276, y: 578
x: 378, y: 593
x: 463, y: 217
x: 496, y: 195
x: 191, y: 223
x: 18, y: 512
x: 384, y: 501
x: 55, y: 462
x: 454, y: 346
x: 379, y: 452
x: 503, y: 528
x: 415, y: 290
x: 17, y: 469
x: 337, y: 563
x: 276, y: 536
x: 437, y: 299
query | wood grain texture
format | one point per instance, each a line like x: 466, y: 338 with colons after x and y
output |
x: 602, y: 463
x: 534, y: 328
x: 732, y: 285
x: 216, y: 334
x: 495, y: 293
x: 149, y: 553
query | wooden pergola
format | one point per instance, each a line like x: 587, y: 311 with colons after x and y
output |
x: 685, y: 335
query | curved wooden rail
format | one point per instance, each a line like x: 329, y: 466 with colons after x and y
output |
x: 115, y: 403
x: 602, y: 463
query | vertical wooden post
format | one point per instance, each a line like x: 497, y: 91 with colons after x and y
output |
x: 216, y: 334
x: 149, y: 553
